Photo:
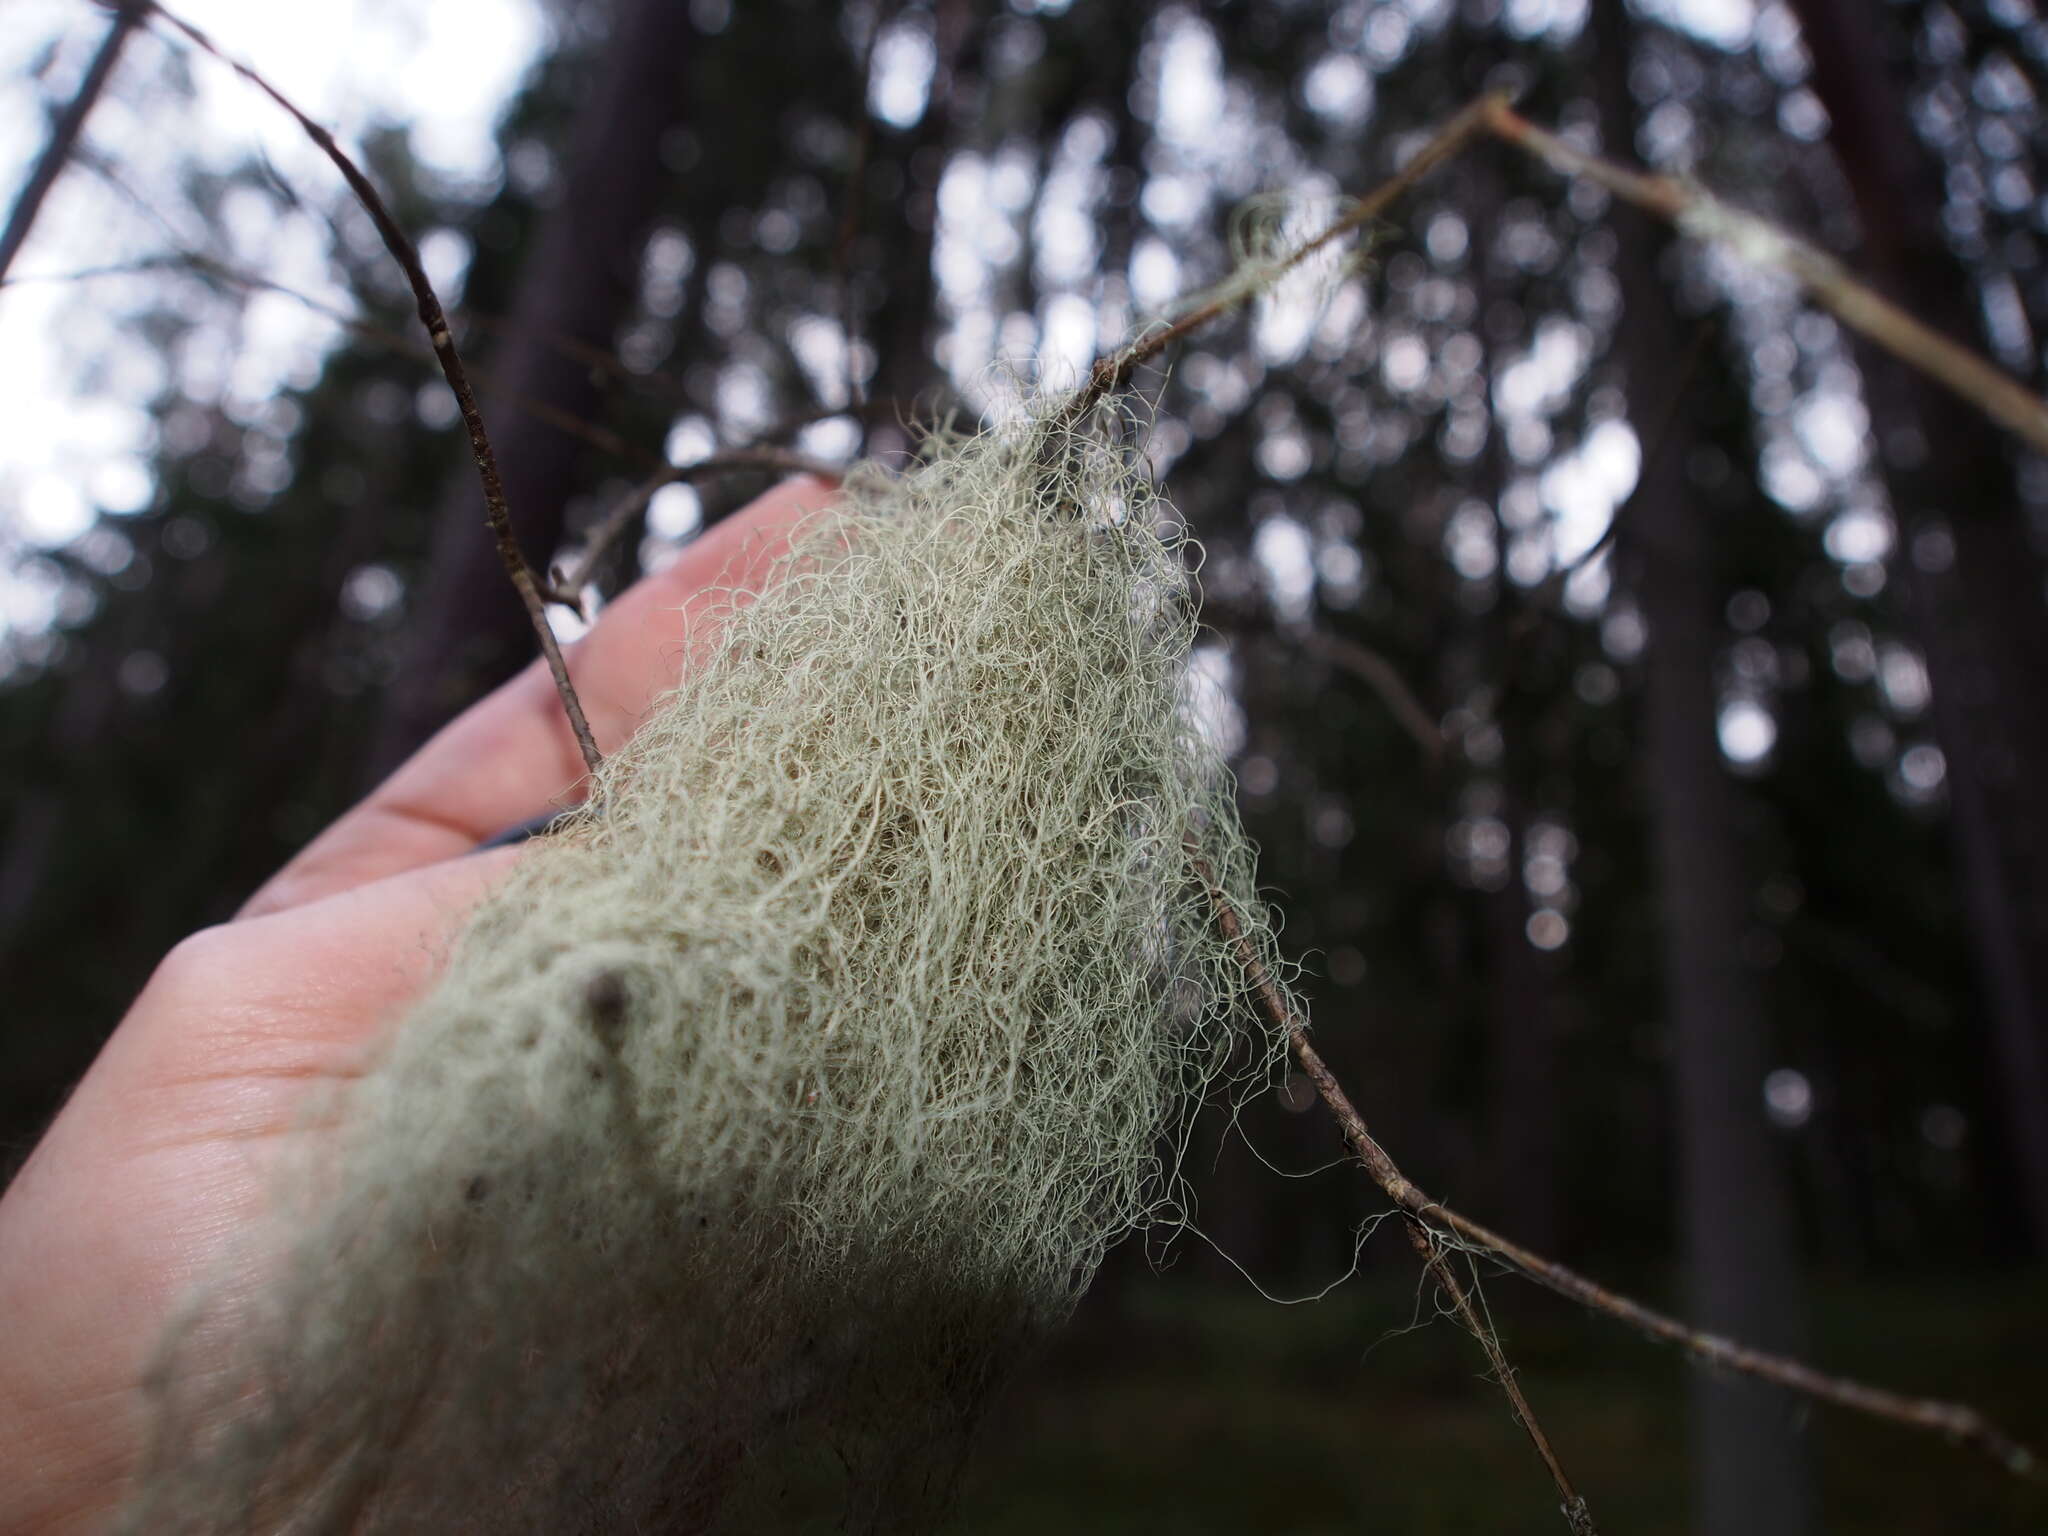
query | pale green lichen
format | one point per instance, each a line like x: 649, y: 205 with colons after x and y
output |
x: 784, y: 1102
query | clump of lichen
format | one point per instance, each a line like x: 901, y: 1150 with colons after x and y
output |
x: 782, y: 1100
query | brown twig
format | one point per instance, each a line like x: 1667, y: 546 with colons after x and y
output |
x: 662, y: 385
x: 1653, y: 451
x: 1577, y: 1514
x: 438, y: 333
x: 1384, y: 678
x: 567, y: 586
x: 1113, y: 372
x: 1417, y: 1210
x: 1369, y: 666
x: 198, y: 263
x: 64, y: 134
x: 1697, y: 212
x: 1956, y: 1422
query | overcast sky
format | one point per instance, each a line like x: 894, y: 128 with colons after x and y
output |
x: 72, y: 442
x: 73, y: 383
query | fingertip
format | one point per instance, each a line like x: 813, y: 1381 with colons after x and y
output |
x: 735, y: 553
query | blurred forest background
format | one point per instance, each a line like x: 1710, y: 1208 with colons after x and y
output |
x: 1638, y: 687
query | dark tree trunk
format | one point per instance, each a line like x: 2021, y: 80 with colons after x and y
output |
x: 578, y: 284
x: 1523, y: 1112
x: 1521, y: 1055
x: 1735, y: 1209
x: 902, y: 334
x: 1981, y: 620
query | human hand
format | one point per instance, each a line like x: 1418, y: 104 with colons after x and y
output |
x: 162, y: 1155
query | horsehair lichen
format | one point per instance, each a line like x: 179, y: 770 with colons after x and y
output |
x: 784, y: 1101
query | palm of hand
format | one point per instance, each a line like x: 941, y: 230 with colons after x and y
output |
x: 162, y: 1154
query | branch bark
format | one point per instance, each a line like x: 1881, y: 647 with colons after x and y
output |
x: 1697, y: 212
x: 64, y: 133
x: 1956, y: 1422
x: 1423, y: 1234
x: 436, y: 323
x: 576, y: 284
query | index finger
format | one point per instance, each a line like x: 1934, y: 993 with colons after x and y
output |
x: 511, y: 755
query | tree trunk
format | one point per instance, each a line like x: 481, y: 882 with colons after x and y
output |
x: 902, y: 331
x: 1521, y: 1055
x: 1735, y: 1208
x: 579, y: 282
x: 1981, y: 622
x: 1524, y: 1113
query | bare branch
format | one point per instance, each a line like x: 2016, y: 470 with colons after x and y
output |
x: 1957, y: 1422
x: 443, y: 340
x: 1380, y: 675
x: 1113, y: 372
x: 1428, y: 1243
x: 567, y: 586
x: 64, y: 134
x: 1697, y: 212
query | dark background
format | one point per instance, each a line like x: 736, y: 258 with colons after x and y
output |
x: 1678, y: 908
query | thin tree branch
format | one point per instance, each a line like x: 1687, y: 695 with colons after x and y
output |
x: 1578, y: 1515
x: 1384, y: 678
x: 567, y: 586
x: 1428, y: 1243
x: 1113, y: 372
x: 201, y: 265
x: 438, y: 333
x: 1369, y: 666
x: 64, y: 134
x: 1697, y: 212
x: 1956, y: 1422
x: 1653, y: 452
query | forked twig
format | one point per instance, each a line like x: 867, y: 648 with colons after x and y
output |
x: 1112, y: 372
x: 1957, y: 1422
x: 567, y: 586
x: 443, y: 341
x: 1697, y: 212
x: 1428, y: 1243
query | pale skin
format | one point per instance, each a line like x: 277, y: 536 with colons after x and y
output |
x: 159, y: 1159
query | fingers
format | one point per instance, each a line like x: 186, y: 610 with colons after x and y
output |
x: 239, y: 1019
x: 297, y: 995
x: 164, y: 1156
x: 512, y: 755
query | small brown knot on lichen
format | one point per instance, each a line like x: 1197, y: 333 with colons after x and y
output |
x: 604, y: 1005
